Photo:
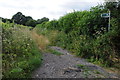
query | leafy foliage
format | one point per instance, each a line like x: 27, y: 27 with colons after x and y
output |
x: 44, y: 19
x: 85, y: 34
x: 20, y: 55
x: 31, y: 23
x: 19, y: 18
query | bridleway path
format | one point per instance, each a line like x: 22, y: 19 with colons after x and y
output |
x: 69, y: 66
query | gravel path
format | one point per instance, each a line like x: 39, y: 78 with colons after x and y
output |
x: 69, y: 66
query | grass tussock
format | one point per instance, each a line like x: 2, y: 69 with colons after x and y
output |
x: 40, y: 40
x: 48, y: 37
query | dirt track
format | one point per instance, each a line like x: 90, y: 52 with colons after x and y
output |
x: 69, y: 66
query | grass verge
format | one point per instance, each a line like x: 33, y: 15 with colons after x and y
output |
x: 20, y: 54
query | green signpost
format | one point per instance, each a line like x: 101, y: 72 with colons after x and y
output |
x: 107, y: 15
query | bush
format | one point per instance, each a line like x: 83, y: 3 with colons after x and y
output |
x: 106, y: 47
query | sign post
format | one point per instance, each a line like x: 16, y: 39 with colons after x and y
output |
x: 107, y: 15
x: 109, y: 22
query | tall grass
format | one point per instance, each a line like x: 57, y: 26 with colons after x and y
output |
x: 40, y: 40
x: 20, y: 54
x: 49, y: 36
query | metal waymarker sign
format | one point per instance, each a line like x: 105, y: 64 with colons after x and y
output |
x: 105, y: 15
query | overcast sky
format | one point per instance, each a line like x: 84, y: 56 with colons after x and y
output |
x: 37, y: 9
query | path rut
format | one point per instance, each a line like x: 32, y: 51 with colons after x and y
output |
x: 65, y: 66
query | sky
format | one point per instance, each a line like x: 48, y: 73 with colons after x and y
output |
x: 37, y: 9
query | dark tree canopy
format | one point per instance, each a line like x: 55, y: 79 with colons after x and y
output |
x: 114, y: 8
x: 5, y: 20
x: 28, y: 18
x: 44, y: 19
x: 19, y: 18
x: 31, y: 22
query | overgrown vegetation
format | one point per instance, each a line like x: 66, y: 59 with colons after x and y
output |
x: 85, y: 33
x: 20, y: 54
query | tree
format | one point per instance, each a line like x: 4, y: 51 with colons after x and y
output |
x: 114, y: 8
x: 19, y: 18
x: 31, y: 23
x: 44, y: 19
x: 5, y: 20
x: 28, y: 18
